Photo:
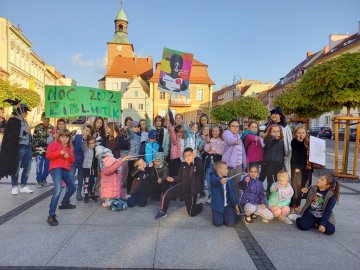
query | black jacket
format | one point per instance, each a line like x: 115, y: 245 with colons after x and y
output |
x: 142, y: 180
x: 191, y: 176
x: 299, y: 155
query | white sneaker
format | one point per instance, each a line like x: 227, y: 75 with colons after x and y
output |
x: 26, y: 189
x: 293, y: 217
x: 286, y: 220
x: 15, y: 191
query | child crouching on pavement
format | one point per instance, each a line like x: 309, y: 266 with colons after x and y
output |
x: 189, y: 184
x: 224, y: 200
x: 164, y: 181
x: 253, y: 200
x: 318, y: 209
x: 110, y: 179
x: 143, y: 180
x: 281, y: 193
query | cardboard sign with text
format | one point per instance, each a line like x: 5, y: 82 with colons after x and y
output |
x: 70, y: 101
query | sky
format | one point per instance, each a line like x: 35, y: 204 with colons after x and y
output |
x: 258, y: 39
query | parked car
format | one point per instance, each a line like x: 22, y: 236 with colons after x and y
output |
x: 321, y: 132
x: 353, y: 134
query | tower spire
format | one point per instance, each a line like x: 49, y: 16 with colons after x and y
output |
x: 121, y: 3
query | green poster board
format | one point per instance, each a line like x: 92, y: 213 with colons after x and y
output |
x: 69, y: 101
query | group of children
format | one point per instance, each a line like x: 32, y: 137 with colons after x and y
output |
x: 173, y: 160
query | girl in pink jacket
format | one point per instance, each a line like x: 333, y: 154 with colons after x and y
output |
x: 110, y: 179
x: 214, y: 149
x: 253, y: 144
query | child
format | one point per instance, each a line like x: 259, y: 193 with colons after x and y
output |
x: 253, y: 144
x: 61, y: 157
x: 144, y: 130
x: 111, y: 141
x: 281, y: 193
x: 151, y: 147
x: 41, y: 134
x: 177, y: 145
x: 189, y: 184
x: 274, y: 153
x: 123, y: 143
x: 60, y: 125
x: 162, y: 172
x: 214, y: 148
x: 99, y: 131
x: 224, y: 201
x: 110, y: 178
x: 318, y: 209
x: 90, y: 169
x: 193, y: 140
x: 135, y: 144
x: 253, y: 200
x: 301, y: 169
x: 162, y: 133
x: 78, y: 141
x: 143, y: 177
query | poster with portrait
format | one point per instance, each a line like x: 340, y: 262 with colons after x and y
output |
x: 175, y: 72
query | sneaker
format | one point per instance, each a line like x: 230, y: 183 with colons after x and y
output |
x: 248, y: 220
x: 161, y: 215
x: 94, y: 198
x: 39, y: 185
x: 67, y: 206
x: 45, y: 184
x: 52, y: 220
x: 26, y: 189
x: 86, y: 199
x: 293, y: 217
x: 286, y: 220
x: 15, y: 191
x: 79, y: 197
x: 253, y: 216
x: 208, y: 200
x: 265, y: 220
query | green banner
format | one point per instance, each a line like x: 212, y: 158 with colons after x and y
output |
x: 69, y: 101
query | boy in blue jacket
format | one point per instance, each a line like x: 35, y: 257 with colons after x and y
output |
x: 223, y: 198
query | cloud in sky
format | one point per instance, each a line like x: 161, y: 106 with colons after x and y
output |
x: 77, y: 60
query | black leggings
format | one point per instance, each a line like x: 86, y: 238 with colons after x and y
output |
x: 271, y: 170
x: 177, y: 191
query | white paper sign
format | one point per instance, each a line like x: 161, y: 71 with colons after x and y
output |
x: 317, y: 150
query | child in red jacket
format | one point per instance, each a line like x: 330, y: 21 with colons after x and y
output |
x: 61, y: 157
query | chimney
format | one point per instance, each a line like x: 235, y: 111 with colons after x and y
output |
x: 326, y: 49
x: 336, y: 39
x: 308, y: 54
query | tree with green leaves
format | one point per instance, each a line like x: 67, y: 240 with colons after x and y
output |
x: 9, y: 91
x: 326, y: 87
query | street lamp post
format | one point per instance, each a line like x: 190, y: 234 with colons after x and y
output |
x: 234, y: 86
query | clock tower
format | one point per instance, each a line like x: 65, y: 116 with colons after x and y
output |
x: 120, y: 44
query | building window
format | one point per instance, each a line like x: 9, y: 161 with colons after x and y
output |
x: 136, y: 93
x: 121, y: 27
x: 327, y: 120
x: 141, y: 106
x: 199, y: 94
x: 162, y: 112
x: 129, y: 105
x: 162, y: 95
x: 115, y: 86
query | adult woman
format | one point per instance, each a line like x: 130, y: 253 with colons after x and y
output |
x: 234, y: 152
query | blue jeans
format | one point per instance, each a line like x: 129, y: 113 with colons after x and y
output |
x: 25, y: 159
x: 227, y: 218
x: 57, y: 175
x: 42, y: 168
x: 208, y: 171
x: 80, y: 176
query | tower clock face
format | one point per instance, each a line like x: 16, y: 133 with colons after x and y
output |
x: 119, y: 48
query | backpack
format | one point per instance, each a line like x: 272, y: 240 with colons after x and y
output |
x: 117, y: 205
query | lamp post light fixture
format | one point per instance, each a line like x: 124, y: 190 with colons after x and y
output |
x: 239, y: 79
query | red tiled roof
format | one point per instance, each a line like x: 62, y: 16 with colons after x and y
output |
x: 129, y: 67
x: 199, y: 73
